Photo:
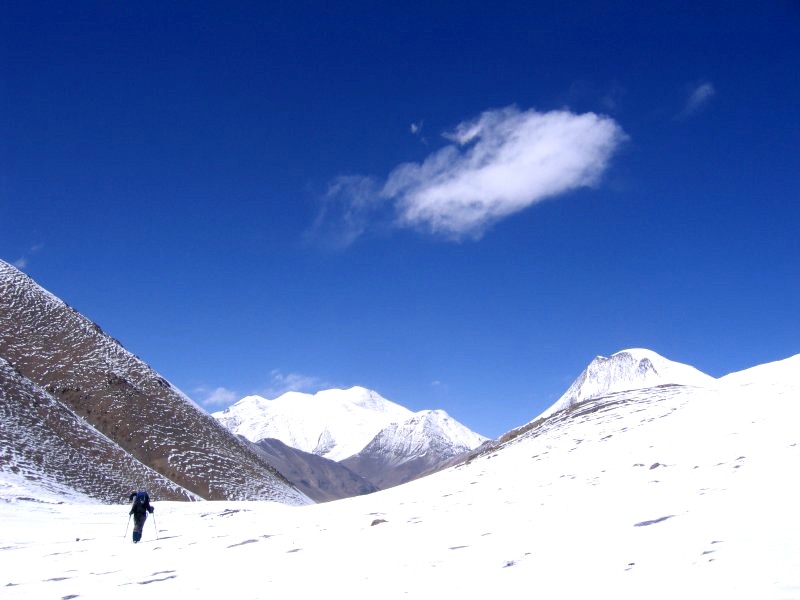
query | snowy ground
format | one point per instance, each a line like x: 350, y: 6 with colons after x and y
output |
x: 661, y: 493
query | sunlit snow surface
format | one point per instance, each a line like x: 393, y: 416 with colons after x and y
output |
x: 669, y: 492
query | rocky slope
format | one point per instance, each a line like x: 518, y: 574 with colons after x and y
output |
x: 72, y: 360
x: 317, y: 477
x: 46, y: 444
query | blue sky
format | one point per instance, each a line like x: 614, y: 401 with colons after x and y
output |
x: 456, y: 204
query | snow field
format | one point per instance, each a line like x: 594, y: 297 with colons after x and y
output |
x: 659, y: 493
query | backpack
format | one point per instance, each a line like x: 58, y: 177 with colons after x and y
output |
x: 140, y: 502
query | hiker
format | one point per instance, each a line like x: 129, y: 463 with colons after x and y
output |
x: 139, y: 509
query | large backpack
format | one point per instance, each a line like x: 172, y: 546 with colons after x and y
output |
x: 140, y: 502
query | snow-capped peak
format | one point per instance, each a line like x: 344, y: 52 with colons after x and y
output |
x: 426, y: 430
x: 334, y: 423
x: 631, y: 369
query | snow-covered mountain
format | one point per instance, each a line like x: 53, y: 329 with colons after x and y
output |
x: 331, y: 423
x: 62, y: 374
x: 672, y: 491
x: 382, y: 441
x: 402, y: 451
x: 627, y: 370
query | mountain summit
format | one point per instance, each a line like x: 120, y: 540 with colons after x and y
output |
x: 332, y: 423
x: 402, y: 451
x: 381, y: 441
x: 625, y: 370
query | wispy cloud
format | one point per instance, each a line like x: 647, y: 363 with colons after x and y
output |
x: 698, y: 98
x: 494, y: 166
x: 216, y: 397
x: 280, y: 383
x: 348, y: 206
x: 221, y: 397
x: 23, y: 261
x: 416, y: 130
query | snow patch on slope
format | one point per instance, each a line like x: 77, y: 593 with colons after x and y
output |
x: 15, y: 487
x: 784, y: 372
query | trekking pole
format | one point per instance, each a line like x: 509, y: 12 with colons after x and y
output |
x: 154, y: 524
x: 126, y: 528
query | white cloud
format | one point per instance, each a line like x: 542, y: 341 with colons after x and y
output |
x: 698, y: 98
x: 217, y: 397
x: 416, y: 130
x: 496, y: 165
x: 291, y: 382
x: 499, y: 164
x: 280, y: 383
x: 348, y: 206
x: 23, y: 261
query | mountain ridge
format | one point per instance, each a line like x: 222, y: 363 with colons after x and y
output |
x: 334, y: 423
x: 381, y: 441
x: 75, y: 362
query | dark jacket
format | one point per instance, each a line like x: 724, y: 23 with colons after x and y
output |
x: 138, y: 509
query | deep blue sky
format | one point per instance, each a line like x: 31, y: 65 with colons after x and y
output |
x: 170, y: 173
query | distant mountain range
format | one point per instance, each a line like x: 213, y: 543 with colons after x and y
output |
x: 331, y: 423
x: 381, y: 442
x: 82, y: 417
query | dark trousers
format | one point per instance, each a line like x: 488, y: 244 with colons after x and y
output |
x: 138, y: 525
